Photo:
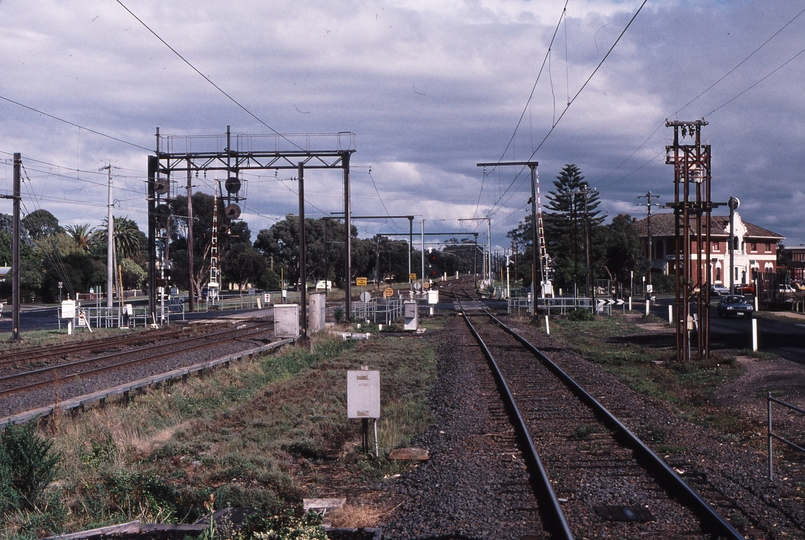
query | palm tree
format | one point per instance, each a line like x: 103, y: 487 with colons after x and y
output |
x: 129, y: 240
x: 83, y: 235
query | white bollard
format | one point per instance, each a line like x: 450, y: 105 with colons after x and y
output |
x: 630, y: 303
x: 648, y: 305
x: 670, y: 315
x: 754, y: 335
x: 547, y: 326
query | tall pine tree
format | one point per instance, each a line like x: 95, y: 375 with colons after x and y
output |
x: 572, y: 213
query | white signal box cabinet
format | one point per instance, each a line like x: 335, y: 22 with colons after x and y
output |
x: 286, y: 320
x: 410, y: 316
x: 317, y: 311
x: 363, y: 394
x: 433, y: 297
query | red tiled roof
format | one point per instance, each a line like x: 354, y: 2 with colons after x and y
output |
x: 665, y: 225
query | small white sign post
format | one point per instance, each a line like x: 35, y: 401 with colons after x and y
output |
x: 363, y: 401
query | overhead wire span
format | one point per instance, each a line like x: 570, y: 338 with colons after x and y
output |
x: 528, y: 101
x: 53, y: 253
x: 703, y: 92
x: 54, y: 117
x: 221, y: 90
x: 572, y: 100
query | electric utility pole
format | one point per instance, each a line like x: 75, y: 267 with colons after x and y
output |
x: 649, y: 197
x: 110, y: 239
x: 15, y: 249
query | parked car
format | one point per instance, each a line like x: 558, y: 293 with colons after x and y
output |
x: 746, y: 288
x: 719, y: 290
x: 734, y: 305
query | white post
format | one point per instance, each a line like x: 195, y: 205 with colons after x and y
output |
x: 547, y: 326
x: 648, y: 305
x: 670, y: 314
x: 754, y: 335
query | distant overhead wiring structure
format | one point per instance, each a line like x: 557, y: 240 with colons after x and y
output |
x: 564, y: 111
x: 705, y: 91
x: 221, y: 90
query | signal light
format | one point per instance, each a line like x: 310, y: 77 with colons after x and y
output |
x: 232, y: 184
x: 232, y: 211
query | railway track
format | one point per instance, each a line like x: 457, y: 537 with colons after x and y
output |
x: 29, y: 356
x: 591, y: 475
x: 59, y: 379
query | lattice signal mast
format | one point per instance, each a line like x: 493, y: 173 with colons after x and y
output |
x: 547, y: 288
x: 214, y: 284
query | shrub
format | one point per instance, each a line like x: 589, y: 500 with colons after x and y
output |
x: 27, y: 463
x: 581, y: 315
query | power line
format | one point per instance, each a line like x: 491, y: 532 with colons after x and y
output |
x: 530, y: 97
x: 221, y: 90
x: 54, y: 117
x: 572, y: 100
x: 703, y: 92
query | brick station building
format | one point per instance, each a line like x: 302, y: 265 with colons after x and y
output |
x: 755, y: 248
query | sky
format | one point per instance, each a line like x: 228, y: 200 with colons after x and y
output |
x: 429, y: 88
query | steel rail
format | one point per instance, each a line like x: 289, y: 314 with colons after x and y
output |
x: 111, y: 367
x: 701, y: 507
x: 33, y: 354
x: 556, y: 517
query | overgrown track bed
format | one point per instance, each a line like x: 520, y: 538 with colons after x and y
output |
x: 27, y: 390
x: 604, y: 490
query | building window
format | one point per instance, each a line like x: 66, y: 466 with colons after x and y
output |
x: 754, y: 247
x: 715, y: 246
x: 768, y: 247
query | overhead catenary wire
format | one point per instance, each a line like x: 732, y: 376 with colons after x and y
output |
x: 210, y: 81
x: 708, y: 89
x: 530, y: 97
x: 569, y: 104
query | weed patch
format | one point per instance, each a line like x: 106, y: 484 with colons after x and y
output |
x: 252, y: 435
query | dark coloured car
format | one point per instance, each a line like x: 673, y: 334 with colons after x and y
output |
x: 734, y: 305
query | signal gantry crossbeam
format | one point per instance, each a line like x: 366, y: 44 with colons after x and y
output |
x: 245, y: 152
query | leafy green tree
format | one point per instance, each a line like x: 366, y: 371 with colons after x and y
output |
x: 133, y: 274
x: 280, y: 246
x: 572, y: 213
x: 243, y: 264
x: 624, y: 251
x: 522, y: 241
x: 41, y: 224
x: 230, y: 233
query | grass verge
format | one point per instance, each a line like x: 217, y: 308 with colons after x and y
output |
x: 260, y: 434
x: 652, y: 371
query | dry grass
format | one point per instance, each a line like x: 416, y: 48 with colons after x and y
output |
x: 358, y: 515
x: 263, y: 434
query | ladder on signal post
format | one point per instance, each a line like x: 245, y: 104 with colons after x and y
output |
x: 213, y: 285
x: 543, y: 249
